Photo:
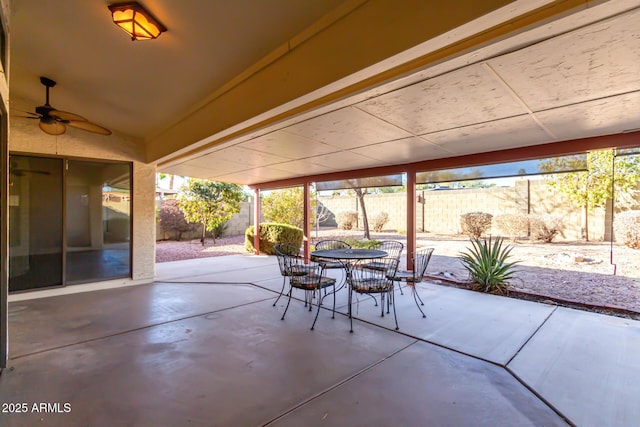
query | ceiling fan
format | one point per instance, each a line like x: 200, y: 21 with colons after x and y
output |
x: 54, y: 122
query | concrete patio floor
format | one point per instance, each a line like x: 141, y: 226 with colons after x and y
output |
x: 204, y: 346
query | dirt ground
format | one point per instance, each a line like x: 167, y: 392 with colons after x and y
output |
x: 594, y: 275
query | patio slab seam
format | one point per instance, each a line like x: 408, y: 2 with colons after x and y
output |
x: 498, y: 364
x: 338, y: 384
x: 540, y: 397
x: 408, y: 335
x: 524, y: 383
x: 372, y: 323
x: 524, y: 344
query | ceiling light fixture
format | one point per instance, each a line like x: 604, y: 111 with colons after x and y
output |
x: 136, y: 21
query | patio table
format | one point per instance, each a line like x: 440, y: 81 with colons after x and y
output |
x: 347, y: 257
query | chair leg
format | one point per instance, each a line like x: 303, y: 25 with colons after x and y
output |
x: 317, y: 311
x: 374, y: 299
x: 333, y: 313
x: 288, y: 302
x: 320, y: 301
x: 389, y: 299
x: 350, y: 310
x: 416, y: 297
x: 284, y: 282
x: 395, y: 317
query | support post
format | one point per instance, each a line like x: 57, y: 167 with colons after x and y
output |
x: 4, y: 240
x: 411, y: 216
x: 306, y: 227
x: 256, y: 221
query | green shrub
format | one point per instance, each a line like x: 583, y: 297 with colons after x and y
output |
x: 272, y: 233
x: 286, y: 206
x: 475, y: 224
x: 172, y: 219
x: 379, y: 221
x: 545, y: 227
x: 627, y: 228
x: 513, y: 225
x: 486, y: 262
x: 363, y: 244
x: 347, y: 220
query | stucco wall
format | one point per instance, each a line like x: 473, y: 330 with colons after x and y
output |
x: 26, y: 138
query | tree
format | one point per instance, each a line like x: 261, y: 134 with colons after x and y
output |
x: 360, y: 193
x: 287, y: 207
x: 592, y: 188
x: 172, y: 218
x: 209, y: 203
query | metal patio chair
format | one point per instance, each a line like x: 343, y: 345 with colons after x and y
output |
x: 420, y: 260
x: 282, y: 250
x: 372, y: 281
x: 330, y: 264
x: 393, y: 248
x: 307, y: 277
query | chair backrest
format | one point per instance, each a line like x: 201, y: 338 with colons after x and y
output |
x: 373, y: 280
x: 392, y: 247
x: 421, y: 260
x: 332, y: 244
x: 284, y: 252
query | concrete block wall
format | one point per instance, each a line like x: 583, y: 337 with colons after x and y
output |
x: 240, y: 221
x: 235, y: 226
x: 394, y: 204
x: 439, y: 211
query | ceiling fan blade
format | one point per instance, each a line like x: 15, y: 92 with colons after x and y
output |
x: 65, y: 115
x: 24, y: 114
x: 90, y: 127
x: 54, y: 128
x: 30, y: 113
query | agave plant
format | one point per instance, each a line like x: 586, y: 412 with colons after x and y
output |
x: 486, y: 262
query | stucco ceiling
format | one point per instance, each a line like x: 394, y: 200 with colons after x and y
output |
x: 572, y: 77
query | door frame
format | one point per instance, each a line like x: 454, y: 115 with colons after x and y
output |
x: 4, y: 182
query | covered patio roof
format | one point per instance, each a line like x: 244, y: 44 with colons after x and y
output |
x: 341, y: 86
x: 486, y: 89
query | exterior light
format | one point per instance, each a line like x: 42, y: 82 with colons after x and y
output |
x: 136, y: 21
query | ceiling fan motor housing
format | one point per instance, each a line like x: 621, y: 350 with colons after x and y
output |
x: 47, y: 82
x: 44, y: 110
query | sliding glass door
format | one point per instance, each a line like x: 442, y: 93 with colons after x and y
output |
x: 98, y: 221
x: 35, y: 222
x: 69, y: 221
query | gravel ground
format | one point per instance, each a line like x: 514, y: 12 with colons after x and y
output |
x: 176, y: 251
x: 584, y: 273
